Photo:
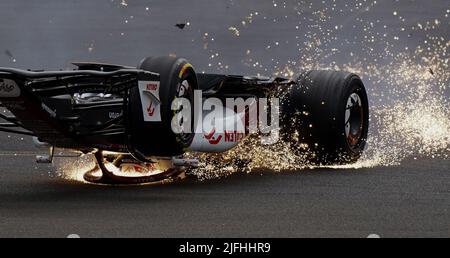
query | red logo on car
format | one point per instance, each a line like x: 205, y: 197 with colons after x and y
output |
x: 151, y: 109
x: 211, y: 139
x: 152, y: 86
x: 234, y: 136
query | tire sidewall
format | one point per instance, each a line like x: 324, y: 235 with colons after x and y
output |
x: 315, y: 108
x: 157, y: 138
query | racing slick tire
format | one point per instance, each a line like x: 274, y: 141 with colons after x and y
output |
x: 177, y: 80
x: 327, y: 113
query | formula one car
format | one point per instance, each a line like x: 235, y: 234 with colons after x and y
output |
x: 124, y: 115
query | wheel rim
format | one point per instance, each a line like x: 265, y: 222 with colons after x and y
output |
x: 185, y: 91
x: 354, y: 120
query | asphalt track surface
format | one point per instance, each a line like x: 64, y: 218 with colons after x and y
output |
x: 410, y: 200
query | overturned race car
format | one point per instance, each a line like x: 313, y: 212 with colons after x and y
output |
x: 146, y: 119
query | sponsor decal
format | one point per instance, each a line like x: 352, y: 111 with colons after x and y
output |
x: 151, y: 105
x: 9, y: 89
x: 239, y: 116
x: 151, y: 109
x: 152, y: 86
x: 5, y: 87
x: 114, y: 115
x: 211, y: 139
x: 182, y: 88
x: 230, y: 136
x: 233, y: 136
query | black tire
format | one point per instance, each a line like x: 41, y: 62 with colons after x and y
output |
x: 158, y: 138
x: 314, y: 115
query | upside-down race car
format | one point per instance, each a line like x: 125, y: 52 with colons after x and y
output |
x: 124, y: 115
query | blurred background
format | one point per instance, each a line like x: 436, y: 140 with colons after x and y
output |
x: 232, y: 36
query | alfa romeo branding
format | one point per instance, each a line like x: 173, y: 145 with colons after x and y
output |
x: 151, y: 108
x: 9, y: 89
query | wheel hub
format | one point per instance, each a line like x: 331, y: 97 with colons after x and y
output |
x: 354, y: 119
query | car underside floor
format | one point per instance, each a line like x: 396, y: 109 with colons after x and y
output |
x: 101, y: 174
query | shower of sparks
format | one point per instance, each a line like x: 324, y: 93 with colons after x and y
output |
x: 74, y: 169
x: 235, y: 31
x: 408, y: 90
x: 249, y: 156
x: 405, y: 68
